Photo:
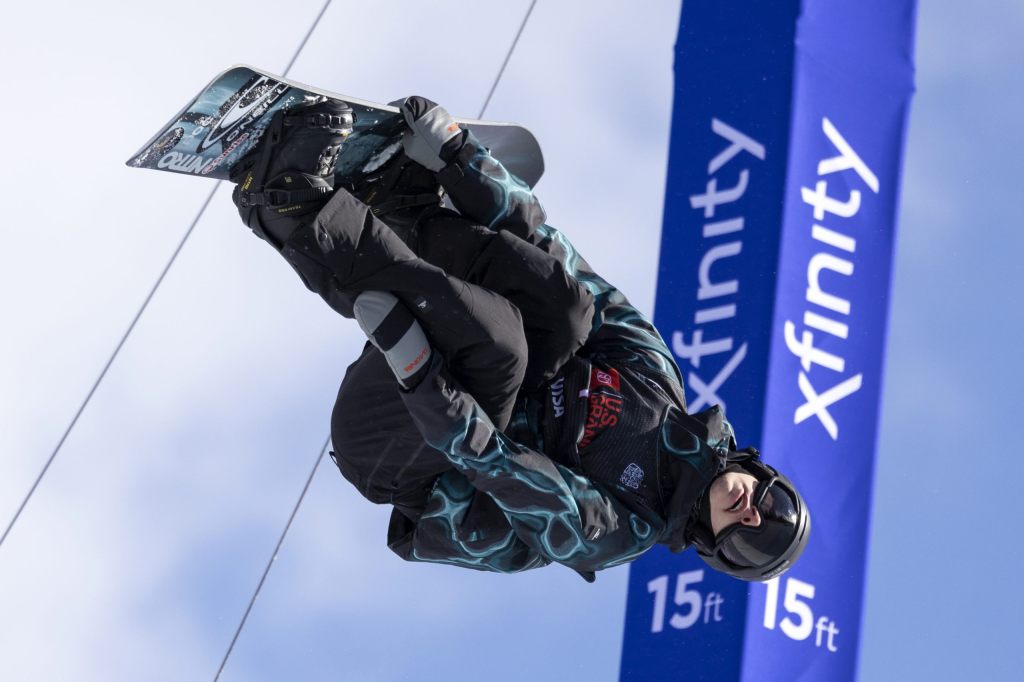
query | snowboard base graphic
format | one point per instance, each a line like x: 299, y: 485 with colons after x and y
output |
x: 229, y: 116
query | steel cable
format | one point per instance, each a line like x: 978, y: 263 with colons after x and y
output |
x: 142, y: 308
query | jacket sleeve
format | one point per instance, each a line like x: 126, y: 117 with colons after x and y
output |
x: 485, y: 192
x: 536, y: 511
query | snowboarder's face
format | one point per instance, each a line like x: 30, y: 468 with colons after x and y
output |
x: 732, y: 501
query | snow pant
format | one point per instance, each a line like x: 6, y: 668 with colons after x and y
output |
x: 473, y: 320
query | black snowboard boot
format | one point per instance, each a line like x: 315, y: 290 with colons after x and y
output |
x: 398, y: 191
x: 289, y: 176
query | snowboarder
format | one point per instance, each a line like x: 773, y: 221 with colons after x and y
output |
x: 511, y: 405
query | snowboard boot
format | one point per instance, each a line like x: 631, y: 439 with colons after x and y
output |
x: 289, y: 176
x: 399, y: 192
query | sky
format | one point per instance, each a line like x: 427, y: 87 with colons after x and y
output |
x: 138, y: 553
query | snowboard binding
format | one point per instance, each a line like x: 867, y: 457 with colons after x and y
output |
x: 290, y: 173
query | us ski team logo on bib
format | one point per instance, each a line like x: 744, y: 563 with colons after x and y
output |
x: 604, y: 404
x: 632, y: 476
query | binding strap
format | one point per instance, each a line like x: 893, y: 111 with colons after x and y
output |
x: 386, y: 182
x: 276, y: 198
x: 340, y: 122
x: 253, y: 186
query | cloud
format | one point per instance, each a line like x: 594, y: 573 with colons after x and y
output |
x: 142, y: 546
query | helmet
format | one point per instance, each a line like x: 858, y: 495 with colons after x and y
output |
x: 758, y: 552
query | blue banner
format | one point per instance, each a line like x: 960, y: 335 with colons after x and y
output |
x: 773, y: 284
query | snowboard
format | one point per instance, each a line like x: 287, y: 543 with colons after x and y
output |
x: 229, y: 116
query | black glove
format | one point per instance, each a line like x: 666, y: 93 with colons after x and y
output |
x: 433, y: 137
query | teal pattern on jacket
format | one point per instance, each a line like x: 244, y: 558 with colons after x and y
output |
x: 507, y: 507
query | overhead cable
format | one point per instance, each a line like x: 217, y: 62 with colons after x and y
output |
x: 138, y: 314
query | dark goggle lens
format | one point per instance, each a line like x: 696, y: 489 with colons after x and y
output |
x: 756, y: 546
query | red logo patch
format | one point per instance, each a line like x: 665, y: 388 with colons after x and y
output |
x: 604, y: 404
x: 601, y: 378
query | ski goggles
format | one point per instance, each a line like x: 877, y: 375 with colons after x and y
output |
x: 758, y: 546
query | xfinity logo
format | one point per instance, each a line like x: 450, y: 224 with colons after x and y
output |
x: 721, y: 233
x: 827, y: 311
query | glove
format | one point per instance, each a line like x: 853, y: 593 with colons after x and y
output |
x: 433, y: 137
x: 396, y: 333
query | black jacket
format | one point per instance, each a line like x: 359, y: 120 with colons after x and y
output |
x: 597, y: 466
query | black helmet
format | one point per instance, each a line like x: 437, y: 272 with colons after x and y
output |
x: 757, y: 552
